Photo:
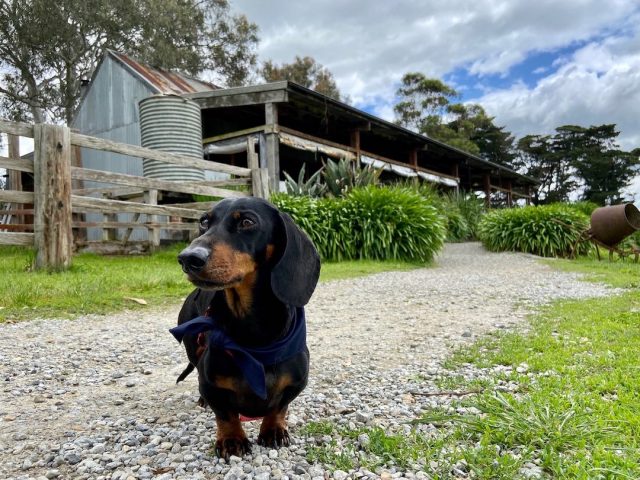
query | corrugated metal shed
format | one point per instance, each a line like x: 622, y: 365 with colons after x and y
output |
x: 163, y: 81
x: 109, y: 109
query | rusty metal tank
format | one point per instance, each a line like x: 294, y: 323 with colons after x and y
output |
x: 611, y: 225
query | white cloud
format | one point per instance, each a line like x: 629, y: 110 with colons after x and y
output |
x: 597, y: 85
x: 369, y: 46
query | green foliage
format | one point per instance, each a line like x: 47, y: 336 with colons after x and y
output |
x: 48, y: 48
x: 312, y: 187
x: 343, y: 176
x: 426, y: 106
x: 575, y: 156
x: 394, y: 223
x: 586, y: 207
x: 548, y: 231
x: 303, y: 71
x: 380, y: 223
x: 577, y: 409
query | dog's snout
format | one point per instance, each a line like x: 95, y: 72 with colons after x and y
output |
x: 193, y: 259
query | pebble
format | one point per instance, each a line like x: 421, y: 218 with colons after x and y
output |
x: 108, y: 422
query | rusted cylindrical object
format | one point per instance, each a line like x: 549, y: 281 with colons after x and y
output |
x: 611, y: 225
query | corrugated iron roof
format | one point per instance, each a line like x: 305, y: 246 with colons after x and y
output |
x: 163, y: 81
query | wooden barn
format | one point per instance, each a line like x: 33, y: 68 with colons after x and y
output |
x: 289, y: 124
x: 296, y: 125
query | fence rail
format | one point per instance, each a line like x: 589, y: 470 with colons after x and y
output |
x: 58, y: 209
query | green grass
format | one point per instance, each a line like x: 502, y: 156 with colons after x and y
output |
x: 360, y: 268
x: 619, y: 273
x: 103, y: 284
x: 575, y: 411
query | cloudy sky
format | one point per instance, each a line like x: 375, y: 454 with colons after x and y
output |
x: 534, y: 65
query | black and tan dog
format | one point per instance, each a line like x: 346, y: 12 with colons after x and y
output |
x: 244, y: 327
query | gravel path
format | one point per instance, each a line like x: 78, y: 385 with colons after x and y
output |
x: 95, y: 397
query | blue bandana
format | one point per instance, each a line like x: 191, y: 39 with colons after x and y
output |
x: 251, y: 361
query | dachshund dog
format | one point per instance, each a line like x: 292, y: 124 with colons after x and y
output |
x: 243, y: 327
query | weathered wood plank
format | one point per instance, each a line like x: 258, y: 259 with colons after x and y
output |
x: 252, y: 156
x: 272, y: 146
x: 14, y: 196
x: 242, y: 99
x: 319, y: 140
x: 52, y: 187
x: 160, y: 156
x: 237, y: 133
x: 16, y: 128
x: 267, y: 87
x: 101, y: 205
x: 14, y: 238
x: 17, y: 227
x: 133, y: 225
x: 151, y: 198
x: 111, y: 191
x: 152, y: 183
x: 298, y: 143
x: 197, y: 206
x: 260, y: 180
x: 16, y: 164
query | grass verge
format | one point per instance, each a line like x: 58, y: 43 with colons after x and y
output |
x: 560, y: 401
x: 103, y: 284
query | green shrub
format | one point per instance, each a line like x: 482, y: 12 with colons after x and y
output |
x: 461, y: 210
x: 548, y: 230
x: 585, y: 207
x: 312, y: 187
x: 472, y: 209
x: 394, y: 223
x: 380, y: 223
x: 343, y: 176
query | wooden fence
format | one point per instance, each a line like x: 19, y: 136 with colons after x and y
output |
x: 57, y: 207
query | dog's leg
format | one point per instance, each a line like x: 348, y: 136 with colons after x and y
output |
x: 230, y: 437
x: 273, y: 431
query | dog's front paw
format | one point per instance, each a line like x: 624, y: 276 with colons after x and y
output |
x: 226, y: 447
x: 274, y: 437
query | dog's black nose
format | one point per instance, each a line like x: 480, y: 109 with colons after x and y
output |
x: 193, y: 259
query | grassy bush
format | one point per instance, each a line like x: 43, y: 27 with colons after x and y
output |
x: 461, y: 210
x: 548, y: 231
x: 378, y: 223
x: 585, y: 207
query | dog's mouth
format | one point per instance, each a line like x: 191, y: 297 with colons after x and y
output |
x: 207, y: 284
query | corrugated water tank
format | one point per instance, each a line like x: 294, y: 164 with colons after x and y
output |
x: 172, y: 124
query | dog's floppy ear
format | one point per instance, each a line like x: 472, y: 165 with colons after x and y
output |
x: 294, y: 277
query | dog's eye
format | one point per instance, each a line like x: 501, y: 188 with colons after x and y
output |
x: 204, y: 223
x: 246, y: 223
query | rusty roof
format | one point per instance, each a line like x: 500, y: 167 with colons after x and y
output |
x: 163, y: 81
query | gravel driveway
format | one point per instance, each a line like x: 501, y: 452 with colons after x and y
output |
x: 95, y: 397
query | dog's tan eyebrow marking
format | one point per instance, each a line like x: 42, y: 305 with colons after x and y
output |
x: 236, y: 215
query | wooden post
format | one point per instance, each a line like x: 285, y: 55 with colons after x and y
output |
x: 109, y: 234
x: 509, y: 194
x: 355, y: 143
x: 487, y: 189
x: 15, y: 177
x: 151, y: 198
x: 413, y: 157
x: 527, y: 191
x: 272, y: 145
x: 76, y: 161
x: 259, y: 176
x: 455, y: 172
x: 53, y: 237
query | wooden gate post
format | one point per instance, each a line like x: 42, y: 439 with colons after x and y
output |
x: 53, y: 237
x: 259, y: 176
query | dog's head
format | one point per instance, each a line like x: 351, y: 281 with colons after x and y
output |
x: 240, y: 237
